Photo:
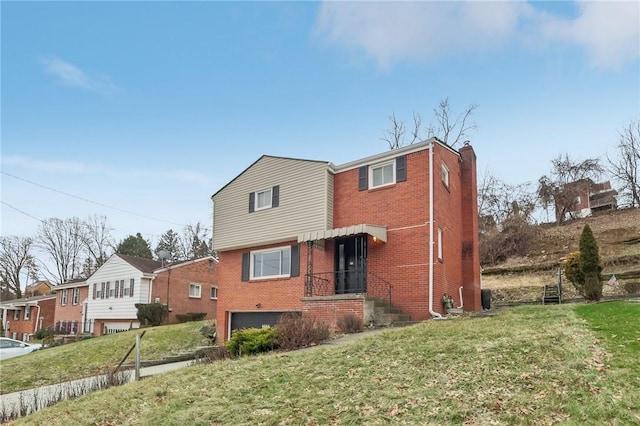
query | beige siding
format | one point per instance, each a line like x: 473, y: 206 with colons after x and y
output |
x: 304, y: 203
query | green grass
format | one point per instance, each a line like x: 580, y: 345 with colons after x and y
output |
x: 529, y: 365
x: 95, y: 356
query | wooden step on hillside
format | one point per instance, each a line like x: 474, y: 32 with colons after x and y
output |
x: 551, y: 294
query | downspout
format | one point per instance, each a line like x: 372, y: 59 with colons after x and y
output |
x: 433, y: 313
x: 461, y: 302
x: 35, y: 326
x: 4, y: 322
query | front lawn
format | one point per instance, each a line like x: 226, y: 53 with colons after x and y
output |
x: 95, y: 356
x: 528, y: 365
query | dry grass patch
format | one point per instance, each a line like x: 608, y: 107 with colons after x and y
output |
x: 531, y: 365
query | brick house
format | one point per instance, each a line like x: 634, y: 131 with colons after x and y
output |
x: 123, y: 281
x: 587, y: 198
x: 189, y: 286
x: 21, y: 318
x: 398, y: 229
x: 71, y: 305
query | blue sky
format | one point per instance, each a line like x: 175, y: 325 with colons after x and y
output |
x: 151, y: 107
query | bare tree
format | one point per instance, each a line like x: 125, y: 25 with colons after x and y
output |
x: 99, y: 244
x: 449, y: 127
x: 626, y: 167
x: 568, y: 179
x: 64, y: 242
x: 15, y: 255
x: 196, y: 241
x: 498, y: 200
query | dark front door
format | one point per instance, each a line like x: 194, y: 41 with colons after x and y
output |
x: 351, y: 265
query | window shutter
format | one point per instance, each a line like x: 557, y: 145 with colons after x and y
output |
x: 401, y: 168
x: 275, y: 196
x: 295, y: 260
x: 108, y: 288
x: 252, y: 202
x: 245, y: 266
x: 95, y: 285
x: 363, y: 178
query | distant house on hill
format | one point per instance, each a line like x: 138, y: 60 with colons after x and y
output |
x: 39, y: 288
x: 588, y: 198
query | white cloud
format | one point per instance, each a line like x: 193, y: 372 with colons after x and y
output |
x: 391, y: 31
x: 42, y: 165
x: 609, y: 31
x: 69, y: 74
x: 74, y: 168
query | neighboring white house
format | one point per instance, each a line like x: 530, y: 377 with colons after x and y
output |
x: 114, y: 290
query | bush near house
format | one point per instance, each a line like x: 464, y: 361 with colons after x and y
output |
x: 151, y: 313
x: 296, y: 331
x: 350, y: 324
x: 251, y: 341
x: 191, y: 316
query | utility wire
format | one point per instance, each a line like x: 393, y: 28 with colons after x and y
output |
x: 86, y: 200
x: 20, y: 211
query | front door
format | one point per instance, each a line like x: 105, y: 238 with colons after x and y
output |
x: 351, y: 265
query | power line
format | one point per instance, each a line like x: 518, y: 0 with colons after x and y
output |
x: 86, y: 200
x: 20, y: 211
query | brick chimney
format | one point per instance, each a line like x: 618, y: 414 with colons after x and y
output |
x: 470, y: 231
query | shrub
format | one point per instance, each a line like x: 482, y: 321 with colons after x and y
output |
x: 350, y: 324
x: 514, y: 237
x: 209, y: 331
x: 572, y: 270
x: 191, y: 316
x: 250, y: 341
x: 590, y: 265
x: 209, y: 355
x: 43, y: 333
x: 298, y: 331
x: 151, y: 313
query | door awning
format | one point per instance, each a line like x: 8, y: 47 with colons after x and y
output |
x: 379, y: 232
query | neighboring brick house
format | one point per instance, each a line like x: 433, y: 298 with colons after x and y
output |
x: 21, y: 318
x: 588, y: 198
x: 71, y: 305
x: 189, y: 286
x: 123, y: 281
x: 330, y: 241
x: 39, y: 288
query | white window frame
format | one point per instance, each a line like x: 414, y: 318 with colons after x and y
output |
x: 213, y: 293
x: 16, y: 315
x: 269, y: 199
x: 27, y: 312
x: 381, y: 166
x: 63, y: 297
x: 252, y: 268
x: 445, y: 175
x: 440, y: 233
x: 75, y: 296
x: 197, y: 291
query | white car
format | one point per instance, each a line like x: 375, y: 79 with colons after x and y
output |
x: 10, y: 348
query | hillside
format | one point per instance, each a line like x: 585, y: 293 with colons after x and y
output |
x: 618, y: 237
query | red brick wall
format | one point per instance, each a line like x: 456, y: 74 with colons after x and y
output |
x: 22, y: 326
x: 69, y: 311
x: 329, y: 311
x: 173, y: 286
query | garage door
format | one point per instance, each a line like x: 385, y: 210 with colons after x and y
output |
x: 240, y: 320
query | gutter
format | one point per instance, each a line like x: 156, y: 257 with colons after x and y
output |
x: 35, y: 326
x: 433, y: 313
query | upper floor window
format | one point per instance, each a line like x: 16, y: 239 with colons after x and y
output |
x: 63, y: 297
x: 445, y: 175
x: 382, y: 174
x: 271, y: 263
x: 75, y: 296
x: 195, y: 290
x: 264, y: 199
x: 27, y: 312
x: 214, y: 293
x: 440, y: 232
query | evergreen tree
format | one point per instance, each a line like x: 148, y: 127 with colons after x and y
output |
x: 590, y: 265
x: 170, y: 242
x: 135, y: 246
